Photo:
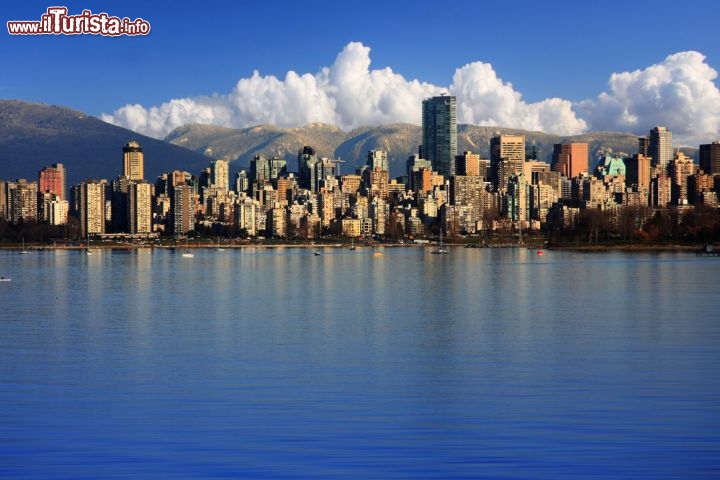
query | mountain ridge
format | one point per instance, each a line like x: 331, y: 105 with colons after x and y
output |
x: 33, y: 135
x: 400, y: 140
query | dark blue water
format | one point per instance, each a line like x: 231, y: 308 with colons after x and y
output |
x: 484, y: 363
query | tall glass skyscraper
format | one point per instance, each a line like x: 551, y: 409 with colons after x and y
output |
x: 439, y: 133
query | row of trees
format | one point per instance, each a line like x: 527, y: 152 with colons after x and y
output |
x: 699, y: 224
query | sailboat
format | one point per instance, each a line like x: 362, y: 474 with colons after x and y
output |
x: 440, y: 250
x: 87, y: 249
x: 187, y: 253
x: 352, y: 244
x: 218, y: 247
x: 24, y: 251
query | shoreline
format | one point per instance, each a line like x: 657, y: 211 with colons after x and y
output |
x: 597, y: 248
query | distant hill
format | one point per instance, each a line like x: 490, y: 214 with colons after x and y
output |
x: 399, y: 139
x: 33, y: 135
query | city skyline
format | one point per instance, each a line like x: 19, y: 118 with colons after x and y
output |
x: 343, y: 72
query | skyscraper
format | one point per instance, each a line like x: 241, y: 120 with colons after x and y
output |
x: 660, y: 147
x: 306, y: 167
x: 139, y: 209
x: 133, y: 161
x: 221, y: 175
x: 52, y: 179
x: 570, y: 159
x: 467, y: 164
x: 92, y: 207
x: 710, y: 158
x: 439, y: 133
x: 507, y: 156
x: 377, y: 160
x: 22, y: 201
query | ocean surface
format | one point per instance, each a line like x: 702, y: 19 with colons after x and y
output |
x: 386, y: 363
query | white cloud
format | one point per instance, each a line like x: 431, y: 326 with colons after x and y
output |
x: 679, y: 93
x: 483, y: 99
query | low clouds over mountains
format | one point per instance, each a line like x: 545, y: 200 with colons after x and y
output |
x: 679, y: 92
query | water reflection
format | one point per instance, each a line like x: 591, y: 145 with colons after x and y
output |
x: 279, y: 363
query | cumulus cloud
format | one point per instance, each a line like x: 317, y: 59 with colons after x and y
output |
x: 679, y: 93
x: 484, y: 99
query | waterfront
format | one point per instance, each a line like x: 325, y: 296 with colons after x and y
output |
x: 275, y: 363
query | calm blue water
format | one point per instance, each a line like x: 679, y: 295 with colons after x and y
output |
x: 485, y: 363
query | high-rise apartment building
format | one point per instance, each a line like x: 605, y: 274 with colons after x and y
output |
x: 52, y: 179
x: 22, y: 201
x: 377, y: 160
x: 133, y: 161
x: 570, y: 159
x: 439, y: 133
x: 181, y: 210
x: 507, y: 156
x: 467, y: 164
x: 92, y: 207
x: 710, y: 158
x: 221, y: 175
x: 139, y: 211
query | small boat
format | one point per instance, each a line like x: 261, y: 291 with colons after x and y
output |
x: 24, y: 251
x: 187, y: 253
x: 440, y: 250
x: 5, y: 279
x: 316, y: 253
x: 540, y: 253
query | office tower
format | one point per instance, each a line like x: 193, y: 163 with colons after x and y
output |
x: 259, y: 168
x: 181, y: 210
x: 439, y: 133
x: 133, y: 161
x: 92, y: 207
x: 139, y: 209
x: 710, y: 158
x: 660, y: 147
x: 52, y: 179
x: 278, y: 168
x: 467, y: 164
x: 22, y: 201
x: 570, y: 159
x: 306, y: 167
x: 507, y: 156
x: 221, y: 175
x: 377, y: 160
x: 119, y: 189
x: 637, y: 170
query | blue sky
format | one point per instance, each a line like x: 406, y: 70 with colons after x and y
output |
x: 531, y: 51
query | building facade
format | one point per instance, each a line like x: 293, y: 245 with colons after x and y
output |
x: 439, y: 133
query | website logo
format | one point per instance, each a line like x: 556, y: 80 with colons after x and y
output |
x: 56, y: 21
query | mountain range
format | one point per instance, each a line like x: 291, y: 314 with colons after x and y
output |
x: 399, y: 139
x: 34, y: 135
